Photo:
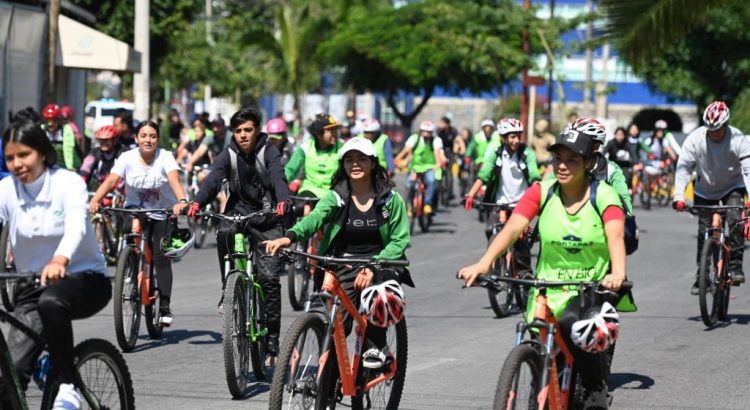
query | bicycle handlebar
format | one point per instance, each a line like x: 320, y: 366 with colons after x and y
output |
x: 234, y: 218
x: 491, y: 281
x: 18, y: 275
x: 696, y: 209
x: 306, y: 199
x: 137, y: 211
x: 329, y: 260
x: 491, y: 205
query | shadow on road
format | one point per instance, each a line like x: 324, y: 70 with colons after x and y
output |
x: 736, y: 319
x: 629, y: 381
x: 179, y: 335
x: 255, y: 387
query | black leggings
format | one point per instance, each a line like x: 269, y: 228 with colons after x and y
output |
x: 157, y: 229
x: 49, y: 310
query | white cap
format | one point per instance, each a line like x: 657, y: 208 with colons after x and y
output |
x: 360, y: 144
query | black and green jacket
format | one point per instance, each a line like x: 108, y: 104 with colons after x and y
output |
x: 490, y: 171
x: 331, y: 212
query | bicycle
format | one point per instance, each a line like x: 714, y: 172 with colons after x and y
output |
x: 298, y: 278
x: 416, y: 202
x: 7, y: 286
x: 506, y: 298
x: 531, y: 377
x: 108, y: 229
x: 244, y: 326
x: 714, y: 282
x: 102, y: 376
x: 446, y: 185
x: 314, y: 367
x: 136, y: 282
x: 202, y: 226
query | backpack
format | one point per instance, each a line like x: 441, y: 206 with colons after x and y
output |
x: 521, y: 157
x: 260, y: 170
x: 631, y: 228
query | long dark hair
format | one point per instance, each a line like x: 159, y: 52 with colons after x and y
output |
x: 31, y: 134
x: 379, y: 176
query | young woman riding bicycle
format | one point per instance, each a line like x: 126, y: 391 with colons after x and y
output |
x: 363, y: 217
x: 51, y: 235
x: 576, y: 244
x: 152, y: 181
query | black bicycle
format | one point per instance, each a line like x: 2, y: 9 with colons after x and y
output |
x: 102, y: 376
x: 7, y: 286
x: 302, y: 269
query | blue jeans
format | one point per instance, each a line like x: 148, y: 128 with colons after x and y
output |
x: 429, y: 180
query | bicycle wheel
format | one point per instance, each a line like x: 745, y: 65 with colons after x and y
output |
x: 519, y: 380
x: 298, y: 280
x: 127, y: 303
x: 709, y: 297
x: 260, y: 345
x: 387, y: 395
x: 725, y: 288
x: 501, y: 297
x: 646, y: 193
x: 235, y: 341
x: 104, y: 373
x: 8, y: 286
x: 298, y: 366
x: 153, y: 316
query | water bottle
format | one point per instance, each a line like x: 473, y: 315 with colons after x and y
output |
x: 41, y: 369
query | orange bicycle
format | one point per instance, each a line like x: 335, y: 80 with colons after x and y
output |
x: 314, y: 369
x: 415, y: 204
x: 540, y: 373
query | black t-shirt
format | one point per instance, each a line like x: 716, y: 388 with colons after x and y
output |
x: 360, y: 234
x: 623, y: 154
x: 448, y: 135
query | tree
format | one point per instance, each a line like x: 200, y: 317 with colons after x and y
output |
x: 457, y: 45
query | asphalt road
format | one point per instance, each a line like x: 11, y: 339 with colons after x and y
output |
x: 665, y: 356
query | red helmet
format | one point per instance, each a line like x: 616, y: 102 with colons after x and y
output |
x: 51, y: 112
x: 383, y: 304
x: 276, y: 126
x: 107, y: 132
x: 67, y: 112
x: 716, y: 115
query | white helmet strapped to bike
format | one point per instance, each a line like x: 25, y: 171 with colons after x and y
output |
x: 597, y: 330
x: 383, y: 304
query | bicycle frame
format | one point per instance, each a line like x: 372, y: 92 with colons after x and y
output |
x: 146, y: 269
x: 418, y: 193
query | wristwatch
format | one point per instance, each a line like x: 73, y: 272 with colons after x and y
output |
x: 183, y: 200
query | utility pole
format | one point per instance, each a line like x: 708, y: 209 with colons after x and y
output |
x: 550, y: 83
x: 589, y: 55
x: 209, y: 39
x: 601, y: 85
x: 54, y: 13
x: 525, y: 78
x: 141, y: 80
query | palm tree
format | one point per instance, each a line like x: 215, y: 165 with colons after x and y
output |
x: 641, y: 28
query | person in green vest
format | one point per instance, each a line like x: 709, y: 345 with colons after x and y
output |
x: 482, y: 138
x: 372, y: 130
x: 317, y: 158
x: 63, y: 138
x: 363, y: 216
x: 425, y: 152
x: 578, y: 242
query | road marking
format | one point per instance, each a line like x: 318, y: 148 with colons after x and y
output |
x: 433, y: 363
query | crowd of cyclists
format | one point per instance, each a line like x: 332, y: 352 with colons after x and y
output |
x: 578, y: 186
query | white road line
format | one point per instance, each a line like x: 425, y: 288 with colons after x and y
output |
x: 427, y: 365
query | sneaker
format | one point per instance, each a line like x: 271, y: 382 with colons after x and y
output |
x: 272, y: 350
x: 427, y: 209
x: 373, y: 358
x: 596, y: 398
x: 68, y: 398
x: 220, y: 306
x: 694, y: 290
x: 166, y: 318
x: 738, y: 279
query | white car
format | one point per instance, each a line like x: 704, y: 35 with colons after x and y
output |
x: 102, y: 112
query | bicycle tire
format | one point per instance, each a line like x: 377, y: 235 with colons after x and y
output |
x: 298, y: 280
x: 293, y: 352
x: 501, y: 298
x: 709, y: 298
x: 7, y: 287
x: 235, y: 338
x: 260, y: 345
x: 424, y: 223
x: 11, y: 392
x: 394, y: 387
x: 724, y: 290
x: 153, y: 316
x: 200, y: 233
x: 645, y: 194
x: 127, y: 268
x: 506, y: 392
x: 114, y: 366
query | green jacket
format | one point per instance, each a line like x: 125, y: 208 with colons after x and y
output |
x: 67, y: 155
x: 330, y: 211
x: 490, y: 170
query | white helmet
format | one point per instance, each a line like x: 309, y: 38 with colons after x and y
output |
x: 427, y: 125
x: 591, y: 127
x: 487, y: 123
x: 598, y: 331
x: 716, y: 115
x: 660, y: 125
x: 178, y: 243
x: 370, y: 125
x: 509, y: 125
x: 383, y: 304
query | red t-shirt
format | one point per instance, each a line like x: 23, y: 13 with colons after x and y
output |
x: 531, y: 201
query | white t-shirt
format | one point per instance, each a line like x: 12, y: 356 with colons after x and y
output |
x: 146, y: 186
x: 512, y: 181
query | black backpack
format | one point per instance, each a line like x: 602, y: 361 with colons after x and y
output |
x: 260, y: 170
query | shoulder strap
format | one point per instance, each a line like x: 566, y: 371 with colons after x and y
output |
x: 551, y: 191
x: 234, y: 178
x: 592, y: 195
x: 261, y: 169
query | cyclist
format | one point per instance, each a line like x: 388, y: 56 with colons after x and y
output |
x: 277, y: 136
x: 577, y: 243
x: 372, y: 131
x: 123, y: 121
x: 720, y: 154
x: 662, y: 145
x: 317, y: 158
x: 363, y: 216
x: 51, y: 234
x: 152, y: 180
x: 252, y: 188
x: 82, y: 141
x: 478, y: 145
x: 63, y: 138
x: 427, y: 157
x: 192, y: 146
x: 507, y: 172
x: 604, y: 169
x: 206, y: 147
x: 623, y: 153
x: 99, y: 162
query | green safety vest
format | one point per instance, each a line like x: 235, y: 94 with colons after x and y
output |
x: 320, y: 166
x: 379, y: 144
x: 67, y: 155
x: 424, y: 156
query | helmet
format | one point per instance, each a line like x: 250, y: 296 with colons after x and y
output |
x: 178, y: 243
x: 509, y: 125
x: 660, y: 125
x: 383, y: 304
x: 487, y: 123
x: 591, y: 127
x: 371, y: 125
x: 427, y: 125
x: 67, y: 112
x: 107, y: 132
x: 276, y: 126
x: 51, y: 112
x: 598, y: 330
x: 716, y: 115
